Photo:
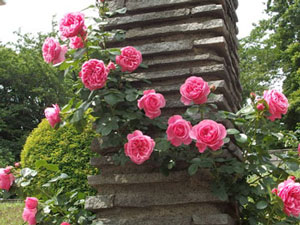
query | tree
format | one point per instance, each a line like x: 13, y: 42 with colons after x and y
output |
x: 27, y: 86
x: 272, y: 51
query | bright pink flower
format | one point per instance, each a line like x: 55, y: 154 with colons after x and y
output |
x: 178, y: 131
x: 31, y: 202
x: 139, y: 147
x: 289, y: 192
x: 17, y: 164
x: 278, y: 103
x: 260, y: 107
x: 93, y: 74
x: 194, y: 89
x: 111, y: 66
x: 52, y: 114
x: 64, y: 223
x: 130, y: 59
x: 53, y: 52
x: 72, y: 24
x: 76, y: 42
x: 6, y: 179
x: 151, y: 102
x: 299, y: 149
x: 29, y: 215
x: 7, y: 170
x: 208, y: 133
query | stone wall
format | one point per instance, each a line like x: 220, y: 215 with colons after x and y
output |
x: 178, y: 38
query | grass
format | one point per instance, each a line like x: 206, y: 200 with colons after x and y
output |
x: 11, y: 213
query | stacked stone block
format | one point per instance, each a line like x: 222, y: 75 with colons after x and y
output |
x: 178, y: 39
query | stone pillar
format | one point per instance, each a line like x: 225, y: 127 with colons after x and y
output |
x: 178, y: 39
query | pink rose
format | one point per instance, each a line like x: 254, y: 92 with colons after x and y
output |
x: 260, y: 107
x: 178, y: 131
x: 52, y: 114
x: 139, y: 147
x: 130, y: 59
x: 76, y: 42
x: 64, y: 223
x: 208, y: 133
x: 6, y: 179
x: 289, y: 192
x: 17, y: 164
x: 93, y: 74
x: 151, y: 102
x: 8, y: 169
x: 299, y: 149
x: 31, y: 202
x: 53, y: 52
x: 72, y: 24
x: 278, y: 103
x: 111, y: 66
x: 29, y: 215
x: 194, y: 89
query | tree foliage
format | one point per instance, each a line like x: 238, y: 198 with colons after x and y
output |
x: 27, y: 86
x: 272, y: 53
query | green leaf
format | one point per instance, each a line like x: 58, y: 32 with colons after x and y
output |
x: 242, y: 138
x: 77, y: 116
x: 25, y: 183
x: 40, y: 163
x: 78, y: 54
x: 114, y: 98
x: 114, y: 51
x: 144, y: 66
x: 191, y: 111
x: 233, y: 131
x: 192, y: 170
x: 52, y: 167
x: 121, y: 11
x: 162, y: 144
x: 60, y: 177
x: 196, y: 161
x: 261, y: 205
x: 226, y: 140
x: 248, y: 109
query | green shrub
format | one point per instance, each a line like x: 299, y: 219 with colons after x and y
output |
x: 65, y: 147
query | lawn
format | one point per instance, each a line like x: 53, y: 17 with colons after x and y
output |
x: 11, y: 213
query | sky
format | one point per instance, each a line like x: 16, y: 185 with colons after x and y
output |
x: 36, y: 15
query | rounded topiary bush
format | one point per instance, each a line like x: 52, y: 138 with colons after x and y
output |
x: 65, y: 147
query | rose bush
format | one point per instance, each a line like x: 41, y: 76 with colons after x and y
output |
x: 109, y: 96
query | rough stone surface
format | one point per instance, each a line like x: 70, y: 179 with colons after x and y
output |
x: 178, y: 39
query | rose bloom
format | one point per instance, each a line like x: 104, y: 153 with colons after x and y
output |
x: 31, y: 202
x: 278, y: 103
x: 29, y: 216
x: 53, y: 52
x: 93, y: 74
x: 72, y: 24
x: 208, y: 133
x: 139, y: 147
x: 52, y: 114
x: 64, y: 223
x: 130, y: 59
x: 151, y: 102
x: 299, y: 148
x: 178, y: 131
x: 111, y: 66
x: 6, y: 179
x: 76, y: 42
x: 194, y: 89
x: 260, y: 107
x: 289, y: 192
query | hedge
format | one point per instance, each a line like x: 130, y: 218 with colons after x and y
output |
x: 65, y: 147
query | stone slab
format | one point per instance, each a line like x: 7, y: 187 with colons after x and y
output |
x: 216, y: 25
x: 99, y: 202
x: 215, y: 219
x: 136, y: 20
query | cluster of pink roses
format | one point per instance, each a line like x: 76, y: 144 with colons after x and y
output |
x: 207, y: 133
x: 277, y: 102
x: 289, y: 192
x: 30, y: 210
x: 6, y: 178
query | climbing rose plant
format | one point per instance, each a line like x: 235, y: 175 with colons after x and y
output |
x: 130, y: 123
